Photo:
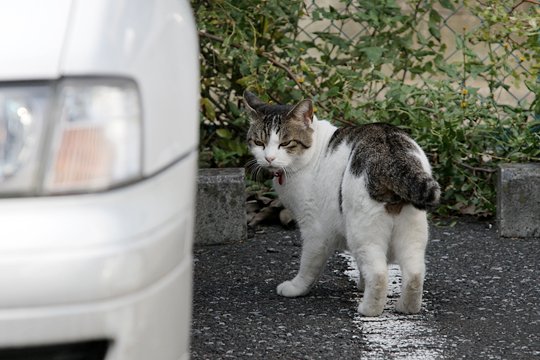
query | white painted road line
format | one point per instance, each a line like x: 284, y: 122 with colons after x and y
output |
x: 392, y: 334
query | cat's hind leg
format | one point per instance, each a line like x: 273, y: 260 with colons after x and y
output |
x: 316, y: 249
x: 368, y: 240
x: 361, y: 284
x: 409, y: 241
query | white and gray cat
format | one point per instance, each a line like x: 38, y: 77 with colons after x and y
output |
x: 365, y: 188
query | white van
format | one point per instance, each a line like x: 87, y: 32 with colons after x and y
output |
x: 98, y: 156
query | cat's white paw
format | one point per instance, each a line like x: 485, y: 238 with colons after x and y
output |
x: 291, y: 289
x: 411, y: 307
x: 410, y: 300
x: 370, y: 311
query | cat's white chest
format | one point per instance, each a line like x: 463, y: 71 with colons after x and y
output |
x: 313, y: 194
x: 293, y: 192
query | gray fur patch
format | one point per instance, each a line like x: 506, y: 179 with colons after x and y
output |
x: 383, y: 153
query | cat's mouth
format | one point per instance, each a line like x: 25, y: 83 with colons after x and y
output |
x: 280, y: 175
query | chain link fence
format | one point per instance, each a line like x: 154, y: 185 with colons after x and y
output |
x: 456, y: 22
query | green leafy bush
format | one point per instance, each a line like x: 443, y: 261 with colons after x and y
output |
x: 394, y: 71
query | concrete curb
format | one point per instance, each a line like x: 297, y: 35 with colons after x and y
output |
x: 221, y: 211
x: 221, y: 206
x: 518, y: 200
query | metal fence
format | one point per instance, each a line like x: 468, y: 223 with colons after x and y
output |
x: 454, y: 22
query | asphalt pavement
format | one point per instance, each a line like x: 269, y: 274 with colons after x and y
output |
x: 481, y: 301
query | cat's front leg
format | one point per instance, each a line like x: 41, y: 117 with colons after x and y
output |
x: 315, y: 252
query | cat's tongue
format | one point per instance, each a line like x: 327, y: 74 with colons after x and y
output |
x: 280, y: 177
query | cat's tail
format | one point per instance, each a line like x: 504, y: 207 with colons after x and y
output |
x: 417, y: 187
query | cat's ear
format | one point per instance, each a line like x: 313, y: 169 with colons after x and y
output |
x: 303, y: 111
x: 251, y: 103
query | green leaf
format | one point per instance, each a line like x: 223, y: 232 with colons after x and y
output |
x: 447, y: 4
x: 245, y: 81
x: 459, y: 42
x: 373, y: 53
x: 224, y: 133
x: 208, y: 108
x: 434, y: 24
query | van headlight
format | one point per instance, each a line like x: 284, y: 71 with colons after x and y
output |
x: 73, y: 136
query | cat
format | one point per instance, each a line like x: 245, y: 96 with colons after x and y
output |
x: 362, y: 188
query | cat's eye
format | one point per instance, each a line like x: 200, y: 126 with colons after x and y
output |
x: 258, y: 143
x: 287, y: 143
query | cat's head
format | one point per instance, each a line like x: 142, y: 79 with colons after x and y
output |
x: 280, y: 137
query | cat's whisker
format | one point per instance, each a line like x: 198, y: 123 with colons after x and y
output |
x: 252, y: 169
x: 285, y: 173
x: 258, y: 173
x: 251, y: 163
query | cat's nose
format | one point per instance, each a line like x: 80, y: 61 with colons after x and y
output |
x: 270, y: 159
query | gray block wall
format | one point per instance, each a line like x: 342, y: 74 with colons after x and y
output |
x: 518, y: 200
x: 221, y: 209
